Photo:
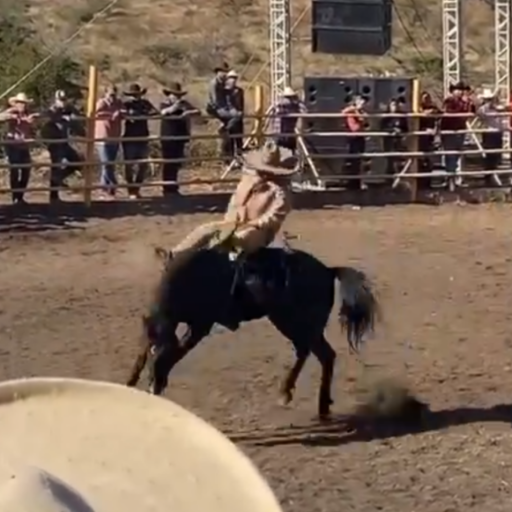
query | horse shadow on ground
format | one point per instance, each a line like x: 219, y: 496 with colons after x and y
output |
x: 348, y: 429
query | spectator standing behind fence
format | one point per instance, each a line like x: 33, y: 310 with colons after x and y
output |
x: 108, y: 125
x: 136, y: 152
x: 176, y: 112
x: 397, y: 127
x: 284, y: 120
x: 236, y: 103
x: 493, y: 138
x: 355, y: 123
x: 20, y: 127
x: 457, y: 102
x: 61, y: 121
x: 428, y: 125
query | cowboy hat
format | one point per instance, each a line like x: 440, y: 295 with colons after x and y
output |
x: 487, y: 94
x: 21, y: 97
x: 115, y: 448
x: 289, y: 92
x: 174, y: 88
x: 32, y: 488
x: 270, y: 160
x: 223, y: 67
x: 135, y: 90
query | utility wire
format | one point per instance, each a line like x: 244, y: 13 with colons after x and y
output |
x: 59, y: 49
x: 408, y: 34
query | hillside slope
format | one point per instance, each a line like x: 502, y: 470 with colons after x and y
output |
x: 157, y: 41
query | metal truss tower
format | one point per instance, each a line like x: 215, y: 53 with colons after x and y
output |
x: 280, y: 47
x: 502, y: 35
x: 452, y: 43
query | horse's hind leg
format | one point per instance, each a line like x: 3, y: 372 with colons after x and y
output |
x: 290, y: 380
x: 302, y: 351
x: 326, y: 356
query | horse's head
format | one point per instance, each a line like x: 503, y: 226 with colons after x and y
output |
x: 162, y: 349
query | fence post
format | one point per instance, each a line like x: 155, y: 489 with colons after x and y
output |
x: 414, y: 140
x: 92, y: 98
x: 259, y: 123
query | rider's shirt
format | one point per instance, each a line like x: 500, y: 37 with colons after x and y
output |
x: 260, y: 207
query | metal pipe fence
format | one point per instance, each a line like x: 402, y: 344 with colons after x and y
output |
x: 89, y: 163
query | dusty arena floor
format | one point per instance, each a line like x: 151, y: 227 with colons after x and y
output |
x: 70, y: 302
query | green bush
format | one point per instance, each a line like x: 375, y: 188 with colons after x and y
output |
x: 21, y: 51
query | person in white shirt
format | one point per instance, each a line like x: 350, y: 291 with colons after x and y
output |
x: 496, y: 126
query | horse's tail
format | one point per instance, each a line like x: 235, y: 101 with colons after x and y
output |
x: 359, y: 309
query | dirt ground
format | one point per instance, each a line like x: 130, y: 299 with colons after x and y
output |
x: 71, y: 300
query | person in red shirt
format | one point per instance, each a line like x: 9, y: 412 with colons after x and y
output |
x: 355, y: 123
x: 457, y: 102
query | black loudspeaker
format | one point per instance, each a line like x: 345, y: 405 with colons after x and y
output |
x: 352, y: 27
x: 327, y: 95
x: 331, y: 95
x: 383, y: 90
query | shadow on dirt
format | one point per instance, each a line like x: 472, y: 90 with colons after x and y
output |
x: 75, y: 215
x: 352, y: 429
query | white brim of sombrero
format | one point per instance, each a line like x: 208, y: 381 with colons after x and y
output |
x: 123, y: 449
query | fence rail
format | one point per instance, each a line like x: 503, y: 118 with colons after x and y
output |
x: 258, y: 133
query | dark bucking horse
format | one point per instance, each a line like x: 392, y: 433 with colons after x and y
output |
x: 297, y: 297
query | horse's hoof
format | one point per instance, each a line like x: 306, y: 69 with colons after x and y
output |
x: 285, y: 398
x: 325, y: 417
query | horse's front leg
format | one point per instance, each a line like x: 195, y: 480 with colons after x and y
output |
x: 171, y: 352
x: 139, y: 364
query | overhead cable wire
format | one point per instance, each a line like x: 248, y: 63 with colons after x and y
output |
x: 419, y: 16
x: 61, y: 48
x: 407, y: 32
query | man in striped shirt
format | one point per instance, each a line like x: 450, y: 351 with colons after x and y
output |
x: 283, y: 123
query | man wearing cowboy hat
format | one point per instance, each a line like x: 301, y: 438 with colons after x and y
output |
x: 255, y: 214
x: 136, y: 152
x: 457, y: 102
x: 60, y: 124
x: 488, y: 113
x: 217, y: 97
x: 20, y: 127
x: 174, y: 133
x: 219, y: 105
x: 233, y: 143
x: 284, y: 125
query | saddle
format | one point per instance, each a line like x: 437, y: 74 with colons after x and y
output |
x: 265, y: 274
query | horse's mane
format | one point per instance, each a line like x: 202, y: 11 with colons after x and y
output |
x: 171, y: 273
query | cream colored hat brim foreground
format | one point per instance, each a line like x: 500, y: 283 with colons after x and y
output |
x: 124, y: 450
